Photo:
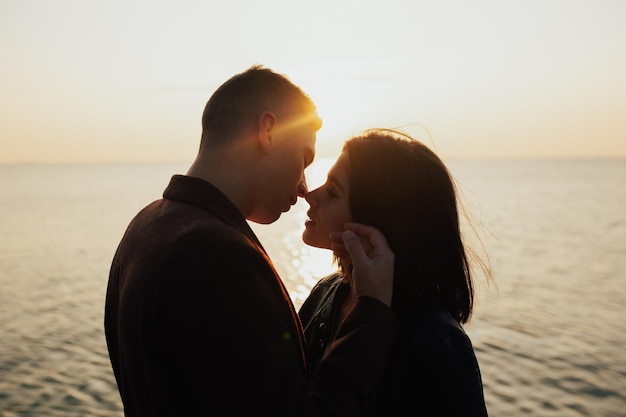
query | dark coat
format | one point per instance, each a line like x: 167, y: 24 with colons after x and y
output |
x: 432, y: 368
x: 198, y: 322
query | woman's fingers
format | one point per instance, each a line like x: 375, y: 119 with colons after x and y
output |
x: 339, y: 248
x: 372, y: 269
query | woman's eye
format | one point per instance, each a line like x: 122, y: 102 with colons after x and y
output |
x: 330, y: 192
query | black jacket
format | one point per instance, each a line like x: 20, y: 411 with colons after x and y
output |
x: 432, y: 368
x: 198, y: 322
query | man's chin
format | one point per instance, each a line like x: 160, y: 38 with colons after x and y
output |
x: 265, y: 219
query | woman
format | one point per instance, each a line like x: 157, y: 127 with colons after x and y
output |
x: 390, y: 181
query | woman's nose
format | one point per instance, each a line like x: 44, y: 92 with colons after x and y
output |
x: 310, y: 197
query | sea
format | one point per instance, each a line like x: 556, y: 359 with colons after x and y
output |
x: 548, y: 328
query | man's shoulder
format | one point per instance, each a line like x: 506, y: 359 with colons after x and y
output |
x: 170, y: 230
x: 181, y: 217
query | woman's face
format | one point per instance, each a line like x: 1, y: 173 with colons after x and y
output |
x: 330, y: 208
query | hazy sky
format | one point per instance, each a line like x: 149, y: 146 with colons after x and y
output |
x: 126, y: 81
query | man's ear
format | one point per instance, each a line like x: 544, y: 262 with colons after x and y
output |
x: 266, y: 128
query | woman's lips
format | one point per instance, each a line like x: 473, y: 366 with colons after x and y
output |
x: 309, y: 221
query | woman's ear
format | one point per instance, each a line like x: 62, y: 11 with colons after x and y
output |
x: 266, y: 128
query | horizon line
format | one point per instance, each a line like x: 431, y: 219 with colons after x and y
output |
x: 174, y: 162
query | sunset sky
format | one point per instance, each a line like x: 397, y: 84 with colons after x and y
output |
x: 85, y: 81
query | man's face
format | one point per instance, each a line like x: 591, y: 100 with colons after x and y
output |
x: 293, y: 149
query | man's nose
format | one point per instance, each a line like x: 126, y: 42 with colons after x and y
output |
x: 302, y: 188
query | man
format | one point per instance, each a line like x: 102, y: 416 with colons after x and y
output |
x: 197, y: 320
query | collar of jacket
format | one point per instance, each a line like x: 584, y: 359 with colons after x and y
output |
x: 196, y: 191
x: 201, y: 193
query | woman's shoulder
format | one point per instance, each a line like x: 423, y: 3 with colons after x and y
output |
x: 330, y: 280
x: 437, y: 331
x: 327, y: 283
x: 320, y: 293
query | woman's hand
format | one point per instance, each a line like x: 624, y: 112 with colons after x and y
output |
x: 372, y: 260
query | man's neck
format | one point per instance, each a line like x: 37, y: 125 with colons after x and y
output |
x: 226, y: 171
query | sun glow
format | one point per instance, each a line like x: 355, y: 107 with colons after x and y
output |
x: 126, y: 81
x: 346, y: 99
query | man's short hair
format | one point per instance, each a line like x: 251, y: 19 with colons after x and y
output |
x: 237, y: 104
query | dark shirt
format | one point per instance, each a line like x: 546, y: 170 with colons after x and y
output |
x: 198, y: 322
x: 432, y: 368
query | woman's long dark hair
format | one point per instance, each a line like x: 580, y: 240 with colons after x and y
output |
x: 401, y: 187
